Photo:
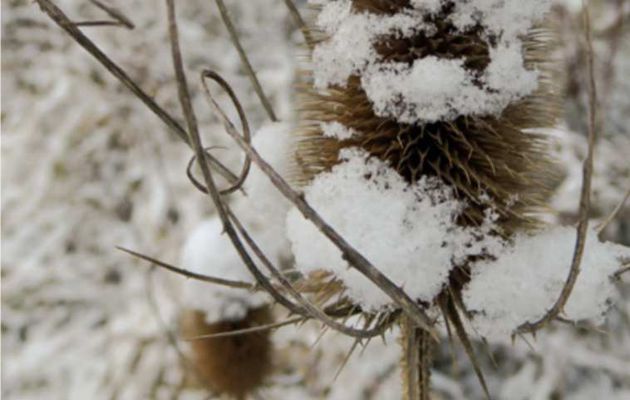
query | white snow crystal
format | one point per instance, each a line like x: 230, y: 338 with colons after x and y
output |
x: 431, y: 88
x: 337, y: 130
x: 526, y: 279
x: 406, y: 231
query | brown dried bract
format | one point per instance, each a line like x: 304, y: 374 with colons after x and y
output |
x: 233, y: 365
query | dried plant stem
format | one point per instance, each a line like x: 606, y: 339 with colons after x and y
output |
x: 416, y: 360
x: 624, y: 269
x: 299, y: 21
x: 225, y: 16
x: 202, y: 156
x: 228, y: 219
x: 356, y: 260
x: 191, y: 275
x: 247, y: 331
x: 585, y: 197
x: 600, y: 228
x: 62, y: 20
x: 116, y: 14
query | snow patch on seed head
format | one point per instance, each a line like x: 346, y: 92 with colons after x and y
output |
x: 430, y: 88
x: 406, y: 231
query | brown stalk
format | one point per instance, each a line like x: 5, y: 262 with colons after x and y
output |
x: 299, y: 21
x: 585, y: 197
x: 202, y: 156
x: 115, y: 13
x: 308, y: 306
x: 246, y: 331
x: 225, y: 16
x: 411, y: 308
x: 189, y: 274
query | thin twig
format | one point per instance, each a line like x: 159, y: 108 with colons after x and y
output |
x: 189, y: 274
x: 114, y: 13
x: 600, y: 228
x: 62, y: 20
x: 585, y: 198
x: 225, y: 16
x: 246, y: 136
x: 246, y: 331
x: 355, y: 259
x: 97, y: 23
x: 299, y: 21
x: 215, y: 195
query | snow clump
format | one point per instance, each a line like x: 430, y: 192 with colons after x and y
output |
x: 430, y: 88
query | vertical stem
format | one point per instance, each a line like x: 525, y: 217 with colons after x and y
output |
x: 416, y: 360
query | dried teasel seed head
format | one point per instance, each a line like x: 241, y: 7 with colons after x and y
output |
x: 232, y: 365
x: 491, y: 161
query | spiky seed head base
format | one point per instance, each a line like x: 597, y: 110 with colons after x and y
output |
x: 490, y: 160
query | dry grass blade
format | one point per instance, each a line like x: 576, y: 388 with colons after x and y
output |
x: 452, y: 313
x: 225, y: 16
x: 297, y: 17
x: 247, y: 331
x: 201, y: 155
x: 191, y: 275
x: 115, y: 13
x: 62, y: 20
x: 600, y: 228
x: 585, y: 197
x: 357, y: 260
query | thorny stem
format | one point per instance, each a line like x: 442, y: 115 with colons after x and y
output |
x: 200, y: 153
x: 585, y: 197
x: 416, y: 361
x: 355, y: 259
x: 189, y: 274
x: 225, y: 16
x: 223, y: 211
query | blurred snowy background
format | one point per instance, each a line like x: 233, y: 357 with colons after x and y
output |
x: 85, y: 167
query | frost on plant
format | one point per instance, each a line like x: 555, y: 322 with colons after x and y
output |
x: 418, y: 149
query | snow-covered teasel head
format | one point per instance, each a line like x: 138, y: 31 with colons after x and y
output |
x: 417, y: 144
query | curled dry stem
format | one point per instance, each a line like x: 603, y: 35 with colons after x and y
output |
x: 356, y: 260
x: 200, y: 153
x: 228, y: 219
x: 585, y: 197
x: 611, y: 217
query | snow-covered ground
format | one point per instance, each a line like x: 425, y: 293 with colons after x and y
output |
x: 86, y: 168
